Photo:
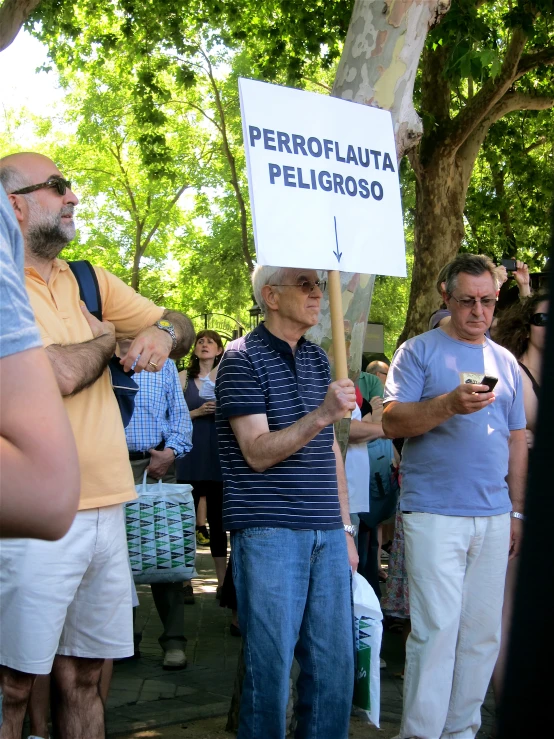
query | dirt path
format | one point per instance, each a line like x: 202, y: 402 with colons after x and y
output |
x: 214, y: 728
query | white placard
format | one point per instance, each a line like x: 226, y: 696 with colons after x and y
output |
x: 323, y: 181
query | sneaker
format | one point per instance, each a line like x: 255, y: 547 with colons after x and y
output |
x: 189, y: 595
x: 175, y: 659
x: 382, y: 663
x: 202, y: 537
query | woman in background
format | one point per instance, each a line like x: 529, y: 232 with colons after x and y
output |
x: 521, y: 328
x: 200, y: 467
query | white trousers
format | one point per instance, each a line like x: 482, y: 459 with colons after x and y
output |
x: 456, y: 571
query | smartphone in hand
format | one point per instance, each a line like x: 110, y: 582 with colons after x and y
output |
x: 490, y: 382
x: 509, y: 264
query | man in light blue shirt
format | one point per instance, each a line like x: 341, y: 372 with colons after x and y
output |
x: 463, y: 480
x: 160, y: 431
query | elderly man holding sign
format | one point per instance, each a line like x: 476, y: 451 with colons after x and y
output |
x: 286, y: 505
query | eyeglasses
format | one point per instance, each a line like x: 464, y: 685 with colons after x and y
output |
x: 55, y: 181
x: 470, y: 302
x: 307, y: 286
x: 539, y: 319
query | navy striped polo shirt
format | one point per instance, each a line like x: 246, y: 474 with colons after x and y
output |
x: 260, y: 374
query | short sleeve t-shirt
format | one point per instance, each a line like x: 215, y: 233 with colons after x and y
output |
x: 259, y: 374
x: 356, y: 467
x: 106, y: 477
x: 459, y: 468
x: 18, y: 330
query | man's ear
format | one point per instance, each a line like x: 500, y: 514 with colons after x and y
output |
x: 16, y: 205
x: 270, y: 295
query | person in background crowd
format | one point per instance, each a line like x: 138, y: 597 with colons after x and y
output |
x: 46, y: 622
x: 383, y: 497
x: 385, y: 530
x: 40, y: 479
x: 463, y: 470
x: 286, y: 504
x: 521, y: 328
x: 356, y: 463
x: 158, y: 435
x: 201, y: 467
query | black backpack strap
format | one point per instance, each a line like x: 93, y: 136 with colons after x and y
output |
x: 89, y: 289
x: 534, y: 383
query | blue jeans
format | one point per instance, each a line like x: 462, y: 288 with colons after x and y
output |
x: 294, y: 599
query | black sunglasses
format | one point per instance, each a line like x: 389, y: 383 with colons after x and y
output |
x: 56, y: 181
x: 539, y: 319
x: 307, y: 286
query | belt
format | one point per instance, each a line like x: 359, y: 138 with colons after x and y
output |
x: 139, y: 455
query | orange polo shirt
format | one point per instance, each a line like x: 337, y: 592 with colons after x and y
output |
x: 106, y: 477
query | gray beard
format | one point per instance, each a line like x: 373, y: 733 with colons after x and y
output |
x: 47, y: 235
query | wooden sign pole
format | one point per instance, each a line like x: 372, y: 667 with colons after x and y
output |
x: 337, y: 326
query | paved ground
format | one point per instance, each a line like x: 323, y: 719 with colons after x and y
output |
x: 144, y: 697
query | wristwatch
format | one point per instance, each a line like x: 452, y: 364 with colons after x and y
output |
x: 167, y: 326
x: 351, y: 529
x: 515, y: 514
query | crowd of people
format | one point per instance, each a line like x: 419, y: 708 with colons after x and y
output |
x: 435, y: 468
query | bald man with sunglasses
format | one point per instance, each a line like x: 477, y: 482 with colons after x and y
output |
x: 65, y: 606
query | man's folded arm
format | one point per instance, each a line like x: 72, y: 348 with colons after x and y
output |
x: 78, y: 366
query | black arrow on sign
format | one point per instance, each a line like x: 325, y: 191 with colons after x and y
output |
x: 337, y: 253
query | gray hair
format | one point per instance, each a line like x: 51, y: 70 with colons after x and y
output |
x: 12, y: 179
x: 265, y: 275
x: 469, y: 264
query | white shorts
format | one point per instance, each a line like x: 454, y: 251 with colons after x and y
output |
x: 69, y: 597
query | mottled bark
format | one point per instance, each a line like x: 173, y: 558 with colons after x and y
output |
x: 13, y: 14
x: 378, y: 67
x: 356, y: 302
x: 381, y: 56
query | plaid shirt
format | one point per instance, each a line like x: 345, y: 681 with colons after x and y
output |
x: 160, y: 413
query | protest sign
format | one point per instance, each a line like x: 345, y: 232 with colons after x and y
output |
x: 323, y: 181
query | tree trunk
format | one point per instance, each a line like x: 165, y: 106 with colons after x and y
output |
x: 438, y: 234
x: 378, y: 67
x: 135, y: 275
x: 381, y: 56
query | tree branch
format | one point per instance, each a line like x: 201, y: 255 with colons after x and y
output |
x: 537, y: 144
x: 165, y: 212
x: 511, y: 102
x: 319, y: 84
x: 531, y: 61
x: 13, y: 14
x: 232, y: 165
x: 519, y: 101
x: 488, y: 96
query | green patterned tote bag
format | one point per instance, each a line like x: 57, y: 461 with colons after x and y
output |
x: 161, y: 533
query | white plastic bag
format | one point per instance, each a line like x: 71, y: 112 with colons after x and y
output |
x: 368, y: 620
x: 161, y: 533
